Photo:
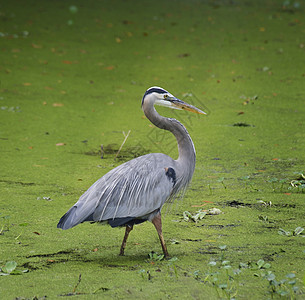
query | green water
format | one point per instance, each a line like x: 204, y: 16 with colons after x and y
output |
x: 72, y: 81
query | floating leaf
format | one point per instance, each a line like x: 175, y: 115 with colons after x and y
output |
x: 290, y: 275
x: 110, y: 68
x: 153, y: 256
x: 243, y: 265
x: 284, y: 232
x: 19, y: 272
x: 223, y: 286
x: 236, y: 271
x: 67, y: 62
x: 36, y: 46
x: 227, y: 267
x: 73, y: 9
x: 199, y: 216
x: 260, y: 263
x: 9, y: 267
x: 270, y: 277
x: 267, y: 266
x: 298, y: 231
x: 173, y: 259
x: 212, y: 263
x: 186, y: 215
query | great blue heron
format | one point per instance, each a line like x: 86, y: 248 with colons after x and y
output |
x: 135, y: 191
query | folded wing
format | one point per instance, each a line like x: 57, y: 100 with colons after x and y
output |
x: 134, y: 189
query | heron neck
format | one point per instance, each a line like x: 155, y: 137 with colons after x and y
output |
x: 186, y: 149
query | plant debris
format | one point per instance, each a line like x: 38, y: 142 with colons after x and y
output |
x: 200, y: 214
x: 10, y: 268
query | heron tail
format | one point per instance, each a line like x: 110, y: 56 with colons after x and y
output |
x: 66, y: 220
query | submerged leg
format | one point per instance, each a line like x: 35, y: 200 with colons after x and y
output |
x: 127, y: 230
x: 158, y: 225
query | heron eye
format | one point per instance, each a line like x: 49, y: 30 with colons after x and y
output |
x: 165, y: 96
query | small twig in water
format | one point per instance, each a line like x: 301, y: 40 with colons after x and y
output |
x: 77, y: 284
x: 102, y: 151
x: 126, y: 137
x: 101, y: 289
x: 210, y: 189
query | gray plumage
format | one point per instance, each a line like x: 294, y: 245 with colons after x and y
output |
x: 136, y: 190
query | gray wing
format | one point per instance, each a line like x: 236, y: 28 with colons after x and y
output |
x: 133, y: 189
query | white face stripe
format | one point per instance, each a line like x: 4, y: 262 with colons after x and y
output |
x: 167, y: 104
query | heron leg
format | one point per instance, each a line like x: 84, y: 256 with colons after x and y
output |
x: 158, y: 225
x: 127, y: 231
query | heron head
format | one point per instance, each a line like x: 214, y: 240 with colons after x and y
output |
x: 160, y: 96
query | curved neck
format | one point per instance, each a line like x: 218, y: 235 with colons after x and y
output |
x: 186, y: 149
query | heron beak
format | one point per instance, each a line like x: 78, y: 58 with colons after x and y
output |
x: 179, y: 104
